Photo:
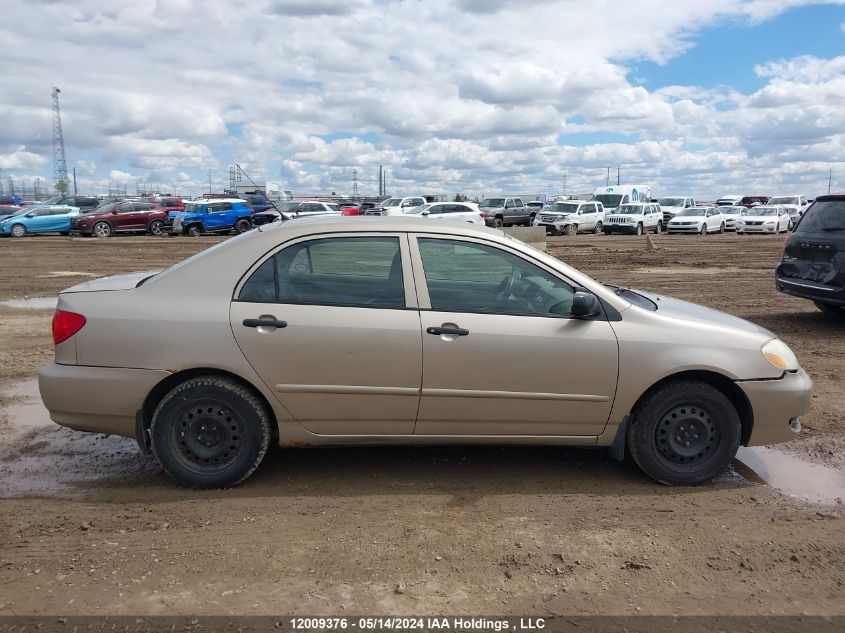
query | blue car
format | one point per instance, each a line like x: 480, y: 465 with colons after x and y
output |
x: 213, y: 215
x: 52, y: 219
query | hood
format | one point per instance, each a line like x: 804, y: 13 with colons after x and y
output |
x: 758, y: 218
x: 677, y: 308
x: 115, y: 282
x: 172, y: 215
x: 687, y: 218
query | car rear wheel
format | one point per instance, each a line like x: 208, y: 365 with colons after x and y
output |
x: 703, y: 230
x: 658, y: 229
x: 498, y: 223
x: 18, y: 230
x: 722, y: 228
x: 684, y: 433
x: 598, y: 228
x: 155, y: 227
x: 242, y: 226
x: 210, y: 432
x: 101, y: 229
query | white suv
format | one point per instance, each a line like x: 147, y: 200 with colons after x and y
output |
x: 459, y: 211
x: 571, y: 217
x: 634, y: 217
x: 396, y: 206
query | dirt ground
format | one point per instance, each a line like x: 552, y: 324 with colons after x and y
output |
x: 89, y: 527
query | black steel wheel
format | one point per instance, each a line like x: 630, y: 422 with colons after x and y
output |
x: 498, y: 223
x: 193, y: 231
x: 684, y: 433
x: 210, y: 432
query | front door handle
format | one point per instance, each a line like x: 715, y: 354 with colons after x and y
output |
x: 454, y: 331
x: 264, y: 323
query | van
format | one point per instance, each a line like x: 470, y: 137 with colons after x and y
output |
x: 614, y: 195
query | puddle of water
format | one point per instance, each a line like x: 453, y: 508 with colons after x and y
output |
x: 32, y: 303
x: 39, y: 457
x: 791, y: 476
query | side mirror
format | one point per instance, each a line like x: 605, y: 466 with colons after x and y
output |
x: 426, y: 212
x: 584, y: 304
x: 30, y: 215
x: 114, y: 212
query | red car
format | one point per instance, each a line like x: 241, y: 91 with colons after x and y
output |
x: 349, y: 208
x: 169, y: 203
x: 123, y: 216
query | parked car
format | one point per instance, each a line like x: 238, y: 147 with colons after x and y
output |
x: 169, y: 203
x: 729, y: 200
x: 335, y: 331
x: 365, y: 206
x: 457, y: 211
x: 258, y: 201
x: 217, y: 215
x: 795, y: 206
x: 10, y: 200
x: 763, y: 220
x: 349, y: 208
x: 41, y: 219
x: 8, y: 209
x: 121, y: 217
x: 813, y: 264
x: 753, y: 201
x: 535, y: 207
x: 634, y: 217
x: 731, y: 214
x: 673, y: 205
x: 83, y: 203
x: 395, y: 206
x: 505, y: 211
x: 700, y: 220
x: 572, y: 217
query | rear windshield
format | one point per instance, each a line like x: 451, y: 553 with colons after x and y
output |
x: 827, y: 216
x: 671, y: 202
x: 785, y: 200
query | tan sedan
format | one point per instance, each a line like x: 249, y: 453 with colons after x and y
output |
x: 327, y: 331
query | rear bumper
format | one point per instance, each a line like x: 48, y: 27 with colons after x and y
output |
x: 813, y: 290
x: 96, y: 399
x: 776, y: 405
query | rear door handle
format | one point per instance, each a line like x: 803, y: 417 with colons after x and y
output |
x: 455, y: 331
x: 264, y: 323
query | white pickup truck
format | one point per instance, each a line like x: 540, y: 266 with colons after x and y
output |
x: 794, y: 204
x: 673, y: 205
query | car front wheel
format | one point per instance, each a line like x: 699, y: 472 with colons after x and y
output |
x: 193, y: 231
x: 210, y: 432
x: 571, y: 229
x: 684, y: 433
x: 101, y: 229
x: 639, y: 229
x: 155, y: 227
x: 18, y: 230
x: 703, y: 229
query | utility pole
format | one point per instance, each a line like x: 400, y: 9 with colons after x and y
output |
x: 59, y: 161
x: 74, y: 181
x: 618, y: 171
x: 829, y: 179
x: 380, y: 181
x: 608, y: 176
x: 209, y: 181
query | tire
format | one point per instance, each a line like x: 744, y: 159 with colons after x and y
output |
x: 219, y: 449
x: 598, y: 230
x: 659, y: 228
x: 722, y: 228
x: 101, y: 229
x: 242, y: 226
x: 830, y: 308
x: 155, y: 227
x: 531, y: 219
x: 193, y: 231
x: 554, y: 231
x: 639, y: 229
x: 740, y: 232
x: 65, y: 233
x: 703, y: 231
x: 498, y: 223
x: 571, y: 229
x: 684, y: 433
x: 17, y: 230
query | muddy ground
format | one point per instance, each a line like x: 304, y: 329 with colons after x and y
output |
x: 88, y: 527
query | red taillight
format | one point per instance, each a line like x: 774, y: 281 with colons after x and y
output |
x: 65, y: 325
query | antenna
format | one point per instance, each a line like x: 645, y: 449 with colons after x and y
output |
x: 59, y: 162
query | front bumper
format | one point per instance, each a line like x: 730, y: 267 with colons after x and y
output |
x: 756, y: 228
x: 619, y: 228
x: 674, y: 228
x: 96, y: 399
x: 777, y: 404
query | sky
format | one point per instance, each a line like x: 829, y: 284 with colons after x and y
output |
x: 542, y: 97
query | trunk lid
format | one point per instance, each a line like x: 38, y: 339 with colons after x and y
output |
x: 115, y: 282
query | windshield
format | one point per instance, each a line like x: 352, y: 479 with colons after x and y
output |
x: 609, y: 200
x: 671, y: 202
x: 564, y: 207
x: 764, y: 211
x: 391, y: 202
x: 785, y: 200
x: 753, y: 199
x: 691, y: 213
x: 731, y: 209
x: 630, y: 209
x: 193, y: 207
x: 493, y: 202
x: 828, y: 215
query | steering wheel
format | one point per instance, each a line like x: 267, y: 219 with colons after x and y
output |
x: 504, y: 288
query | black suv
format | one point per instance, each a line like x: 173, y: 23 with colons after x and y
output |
x: 813, y: 265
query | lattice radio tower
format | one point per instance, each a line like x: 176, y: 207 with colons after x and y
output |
x: 60, y: 179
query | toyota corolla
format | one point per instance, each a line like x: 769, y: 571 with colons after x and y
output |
x: 338, y: 331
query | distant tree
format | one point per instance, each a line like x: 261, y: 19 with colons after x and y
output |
x: 62, y: 187
x: 459, y: 197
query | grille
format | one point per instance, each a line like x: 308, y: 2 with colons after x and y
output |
x: 760, y: 223
x: 616, y: 220
x: 548, y: 218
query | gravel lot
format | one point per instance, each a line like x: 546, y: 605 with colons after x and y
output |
x: 88, y: 527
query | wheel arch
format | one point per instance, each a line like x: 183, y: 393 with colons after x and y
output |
x: 716, y: 380
x: 145, y: 413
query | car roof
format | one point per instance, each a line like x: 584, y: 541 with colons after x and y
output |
x: 371, y: 223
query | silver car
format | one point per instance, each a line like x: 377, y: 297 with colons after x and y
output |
x: 332, y: 330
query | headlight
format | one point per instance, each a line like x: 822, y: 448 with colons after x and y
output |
x: 778, y: 354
